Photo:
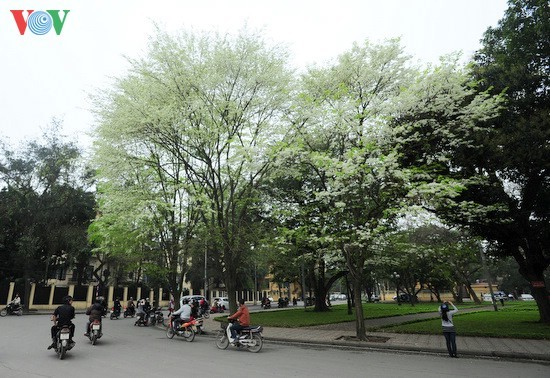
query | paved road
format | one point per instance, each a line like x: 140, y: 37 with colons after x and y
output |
x: 146, y: 352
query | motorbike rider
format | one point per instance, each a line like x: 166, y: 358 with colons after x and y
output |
x: 183, y: 315
x: 216, y: 305
x: 117, y: 306
x: 140, y: 313
x: 147, y: 309
x: 103, y: 304
x: 131, y: 306
x: 243, y: 320
x: 265, y: 302
x: 62, y: 316
x: 15, y: 303
x: 94, y: 312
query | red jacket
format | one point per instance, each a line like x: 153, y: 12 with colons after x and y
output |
x: 242, y: 315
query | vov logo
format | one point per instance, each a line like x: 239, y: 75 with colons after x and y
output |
x: 40, y: 22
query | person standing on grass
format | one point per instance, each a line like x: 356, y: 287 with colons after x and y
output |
x: 448, y: 326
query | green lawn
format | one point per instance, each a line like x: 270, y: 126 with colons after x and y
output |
x: 516, y: 319
x: 298, y: 317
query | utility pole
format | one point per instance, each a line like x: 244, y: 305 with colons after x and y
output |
x: 205, y: 268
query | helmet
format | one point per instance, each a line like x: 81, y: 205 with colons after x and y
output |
x: 67, y: 299
x: 444, y: 307
x: 186, y: 301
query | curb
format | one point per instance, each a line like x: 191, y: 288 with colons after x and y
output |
x: 378, y: 347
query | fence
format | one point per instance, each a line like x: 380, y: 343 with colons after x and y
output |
x: 49, y: 297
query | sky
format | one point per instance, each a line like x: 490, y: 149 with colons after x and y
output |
x: 49, y: 76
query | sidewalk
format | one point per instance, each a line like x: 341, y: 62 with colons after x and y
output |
x: 343, y: 335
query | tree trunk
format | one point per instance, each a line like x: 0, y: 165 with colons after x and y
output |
x: 472, y: 293
x: 543, y: 302
x: 532, y: 269
x: 360, y: 329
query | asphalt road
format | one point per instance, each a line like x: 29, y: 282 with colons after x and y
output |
x: 126, y: 350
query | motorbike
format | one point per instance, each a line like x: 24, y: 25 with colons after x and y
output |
x: 216, y: 310
x: 142, y: 319
x: 12, y: 309
x: 129, y: 312
x: 266, y: 305
x: 186, y: 330
x: 156, y: 316
x: 198, y: 327
x: 115, y: 313
x: 204, y: 312
x: 94, y: 333
x: 62, y: 344
x: 249, y: 337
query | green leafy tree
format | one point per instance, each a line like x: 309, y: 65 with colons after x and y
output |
x: 209, y: 105
x: 515, y: 60
x: 483, y: 162
x: 45, y: 206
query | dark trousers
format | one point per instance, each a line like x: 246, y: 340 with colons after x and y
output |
x: 235, y: 327
x: 450, y: 338
x: 56, y: 328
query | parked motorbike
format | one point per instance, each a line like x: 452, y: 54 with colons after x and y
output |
x: 129, y: 312
x: 94, y: 332
x: 63, y: 345
x: 115, y: 313
x: 216, y: 310
x: 186, y: 330
x: 266, y: 305
x: 12, y: 309
x: 249, y: 337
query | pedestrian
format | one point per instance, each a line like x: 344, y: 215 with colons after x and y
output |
x: 448, y: 326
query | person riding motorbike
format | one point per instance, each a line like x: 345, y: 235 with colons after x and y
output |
x: 130, y: 306
x: 117, y: 306
x: 103, y: 304
x: 62, y: 316
x: 203, y: 307
x: 183, y: 315
x: 94, y: 312
x: 147, y: 309
x: 15, y: 303
x: 243, y: 320
x: 140, y: 313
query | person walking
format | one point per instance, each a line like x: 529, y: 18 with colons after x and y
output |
x: 448, y: 327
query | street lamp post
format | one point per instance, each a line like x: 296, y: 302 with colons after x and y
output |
x: 205, y: 269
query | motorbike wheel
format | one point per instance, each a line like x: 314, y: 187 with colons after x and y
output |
x: 112, y: 316
x: 4, y: 312
x: 94, y: 338
x: 259, y: 343
x: 61, y: 350
x: 188, y: 334
x: 170, y: 333
x: 206, y: 314
x: 222, y: 342
x: 19, y: 312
